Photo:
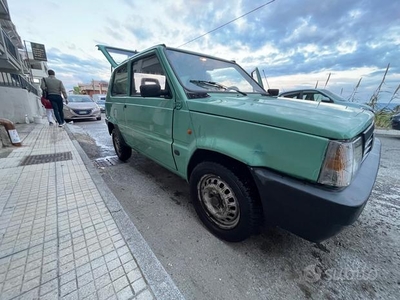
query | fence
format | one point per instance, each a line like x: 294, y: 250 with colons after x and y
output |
x: 18, y: 81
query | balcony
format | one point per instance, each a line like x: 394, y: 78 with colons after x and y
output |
x: 9, y: 57
x: 17, y: 81
x: 4, y: 11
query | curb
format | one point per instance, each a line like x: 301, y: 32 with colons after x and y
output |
x: 387, y: 132
x: 156, y: 276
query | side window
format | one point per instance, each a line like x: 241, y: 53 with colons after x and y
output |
x: 294, y: 96
x: 318, y: 97
x: 308, y: 96
x: 120, y: 82
x: 147, y: 71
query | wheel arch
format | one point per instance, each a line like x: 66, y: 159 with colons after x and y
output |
x: 239, y: 168
x: 110, y: 127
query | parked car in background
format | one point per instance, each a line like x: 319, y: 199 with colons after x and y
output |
x: 322, y: 95
x: 395, y: 120
x: 102, y: 103
x: 81, y: 107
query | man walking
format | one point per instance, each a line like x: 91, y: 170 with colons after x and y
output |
x: 55, y: 88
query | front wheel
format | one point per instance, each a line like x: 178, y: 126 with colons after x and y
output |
x: 227, y: 205
x: 123, y: 151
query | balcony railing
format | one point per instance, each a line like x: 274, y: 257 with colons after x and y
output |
x: 18, y: 81
x: 12, y: 50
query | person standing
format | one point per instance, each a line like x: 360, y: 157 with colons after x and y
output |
x: 55, y: 88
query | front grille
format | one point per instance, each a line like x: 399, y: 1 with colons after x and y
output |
x: 82, y: 111
x: 368, y: 139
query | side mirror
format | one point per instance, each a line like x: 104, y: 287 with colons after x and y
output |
x: 150, y: 90
x: 273, y: 92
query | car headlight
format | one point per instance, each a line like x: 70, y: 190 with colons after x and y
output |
x: 342, y: 161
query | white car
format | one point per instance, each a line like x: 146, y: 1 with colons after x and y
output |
x: 81, y: 107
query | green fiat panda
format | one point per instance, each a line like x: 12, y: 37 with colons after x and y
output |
x: 251, y: 159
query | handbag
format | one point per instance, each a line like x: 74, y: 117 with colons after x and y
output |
x: 45, y: 93
x: 46, y: 103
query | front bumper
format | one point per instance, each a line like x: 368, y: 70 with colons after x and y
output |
x: 88, y: 114
x: 311, y: 211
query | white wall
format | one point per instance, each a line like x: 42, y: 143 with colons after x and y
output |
x: 15, y: 103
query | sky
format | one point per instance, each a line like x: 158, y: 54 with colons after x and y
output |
x: 295, y: 43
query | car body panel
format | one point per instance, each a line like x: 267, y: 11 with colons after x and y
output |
x: 395, y: 122
x: 319, y: 119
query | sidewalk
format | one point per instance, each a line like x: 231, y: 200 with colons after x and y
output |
x: 63, y: 235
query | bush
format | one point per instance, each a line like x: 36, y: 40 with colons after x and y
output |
x: 382, y: 119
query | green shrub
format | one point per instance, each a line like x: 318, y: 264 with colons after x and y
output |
x: 382, y: 119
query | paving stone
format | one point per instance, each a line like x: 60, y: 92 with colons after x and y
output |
x: 67, y: 288
x: 87, y: 290
x: 106, y: 292
x: 67, y: 277
x: 120, y: 283
x: 85, y: 279
x: 117, y: 273
x: 145, y: 295
x: 139, y: 285
x: 125, y: 294
x: 50, y: 286
x: 28, y: 285
x: 134, y: 275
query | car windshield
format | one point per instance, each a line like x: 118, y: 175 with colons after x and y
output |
x: 75, y: 98
x: 203, y: 73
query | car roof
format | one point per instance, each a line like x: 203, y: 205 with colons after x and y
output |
x: 304, y: 90
x: 108, y: 50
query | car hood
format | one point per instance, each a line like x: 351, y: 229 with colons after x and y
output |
x: 80, y: 105
x: 316, y: 118
x: 355, y: 104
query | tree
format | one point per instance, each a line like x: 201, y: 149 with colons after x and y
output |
x: 77, y: 90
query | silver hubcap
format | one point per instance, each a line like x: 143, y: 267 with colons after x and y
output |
x: 219, y: 201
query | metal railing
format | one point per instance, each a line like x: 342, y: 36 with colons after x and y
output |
x: 18, y: 81
x: 12, y: 50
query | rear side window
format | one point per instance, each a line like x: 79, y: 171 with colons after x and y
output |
x: 120, y: 82
x: 145, y: 71
x: 294, y: 96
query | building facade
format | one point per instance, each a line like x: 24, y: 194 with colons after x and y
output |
x: 93, y: 88
x: 19, y: 82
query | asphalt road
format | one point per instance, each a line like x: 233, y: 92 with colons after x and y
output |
x: 362, y: 262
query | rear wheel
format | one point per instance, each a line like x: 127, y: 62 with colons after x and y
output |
x: 123, y: 151
x: 226, y: 205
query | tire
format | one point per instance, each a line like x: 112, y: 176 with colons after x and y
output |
x: 98, y: 118
x: 227, y: 206
x: 122, y: 150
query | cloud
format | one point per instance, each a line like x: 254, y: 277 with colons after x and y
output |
x: 294, y: 42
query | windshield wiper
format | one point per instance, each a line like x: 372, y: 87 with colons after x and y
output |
x: 217, y: 85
